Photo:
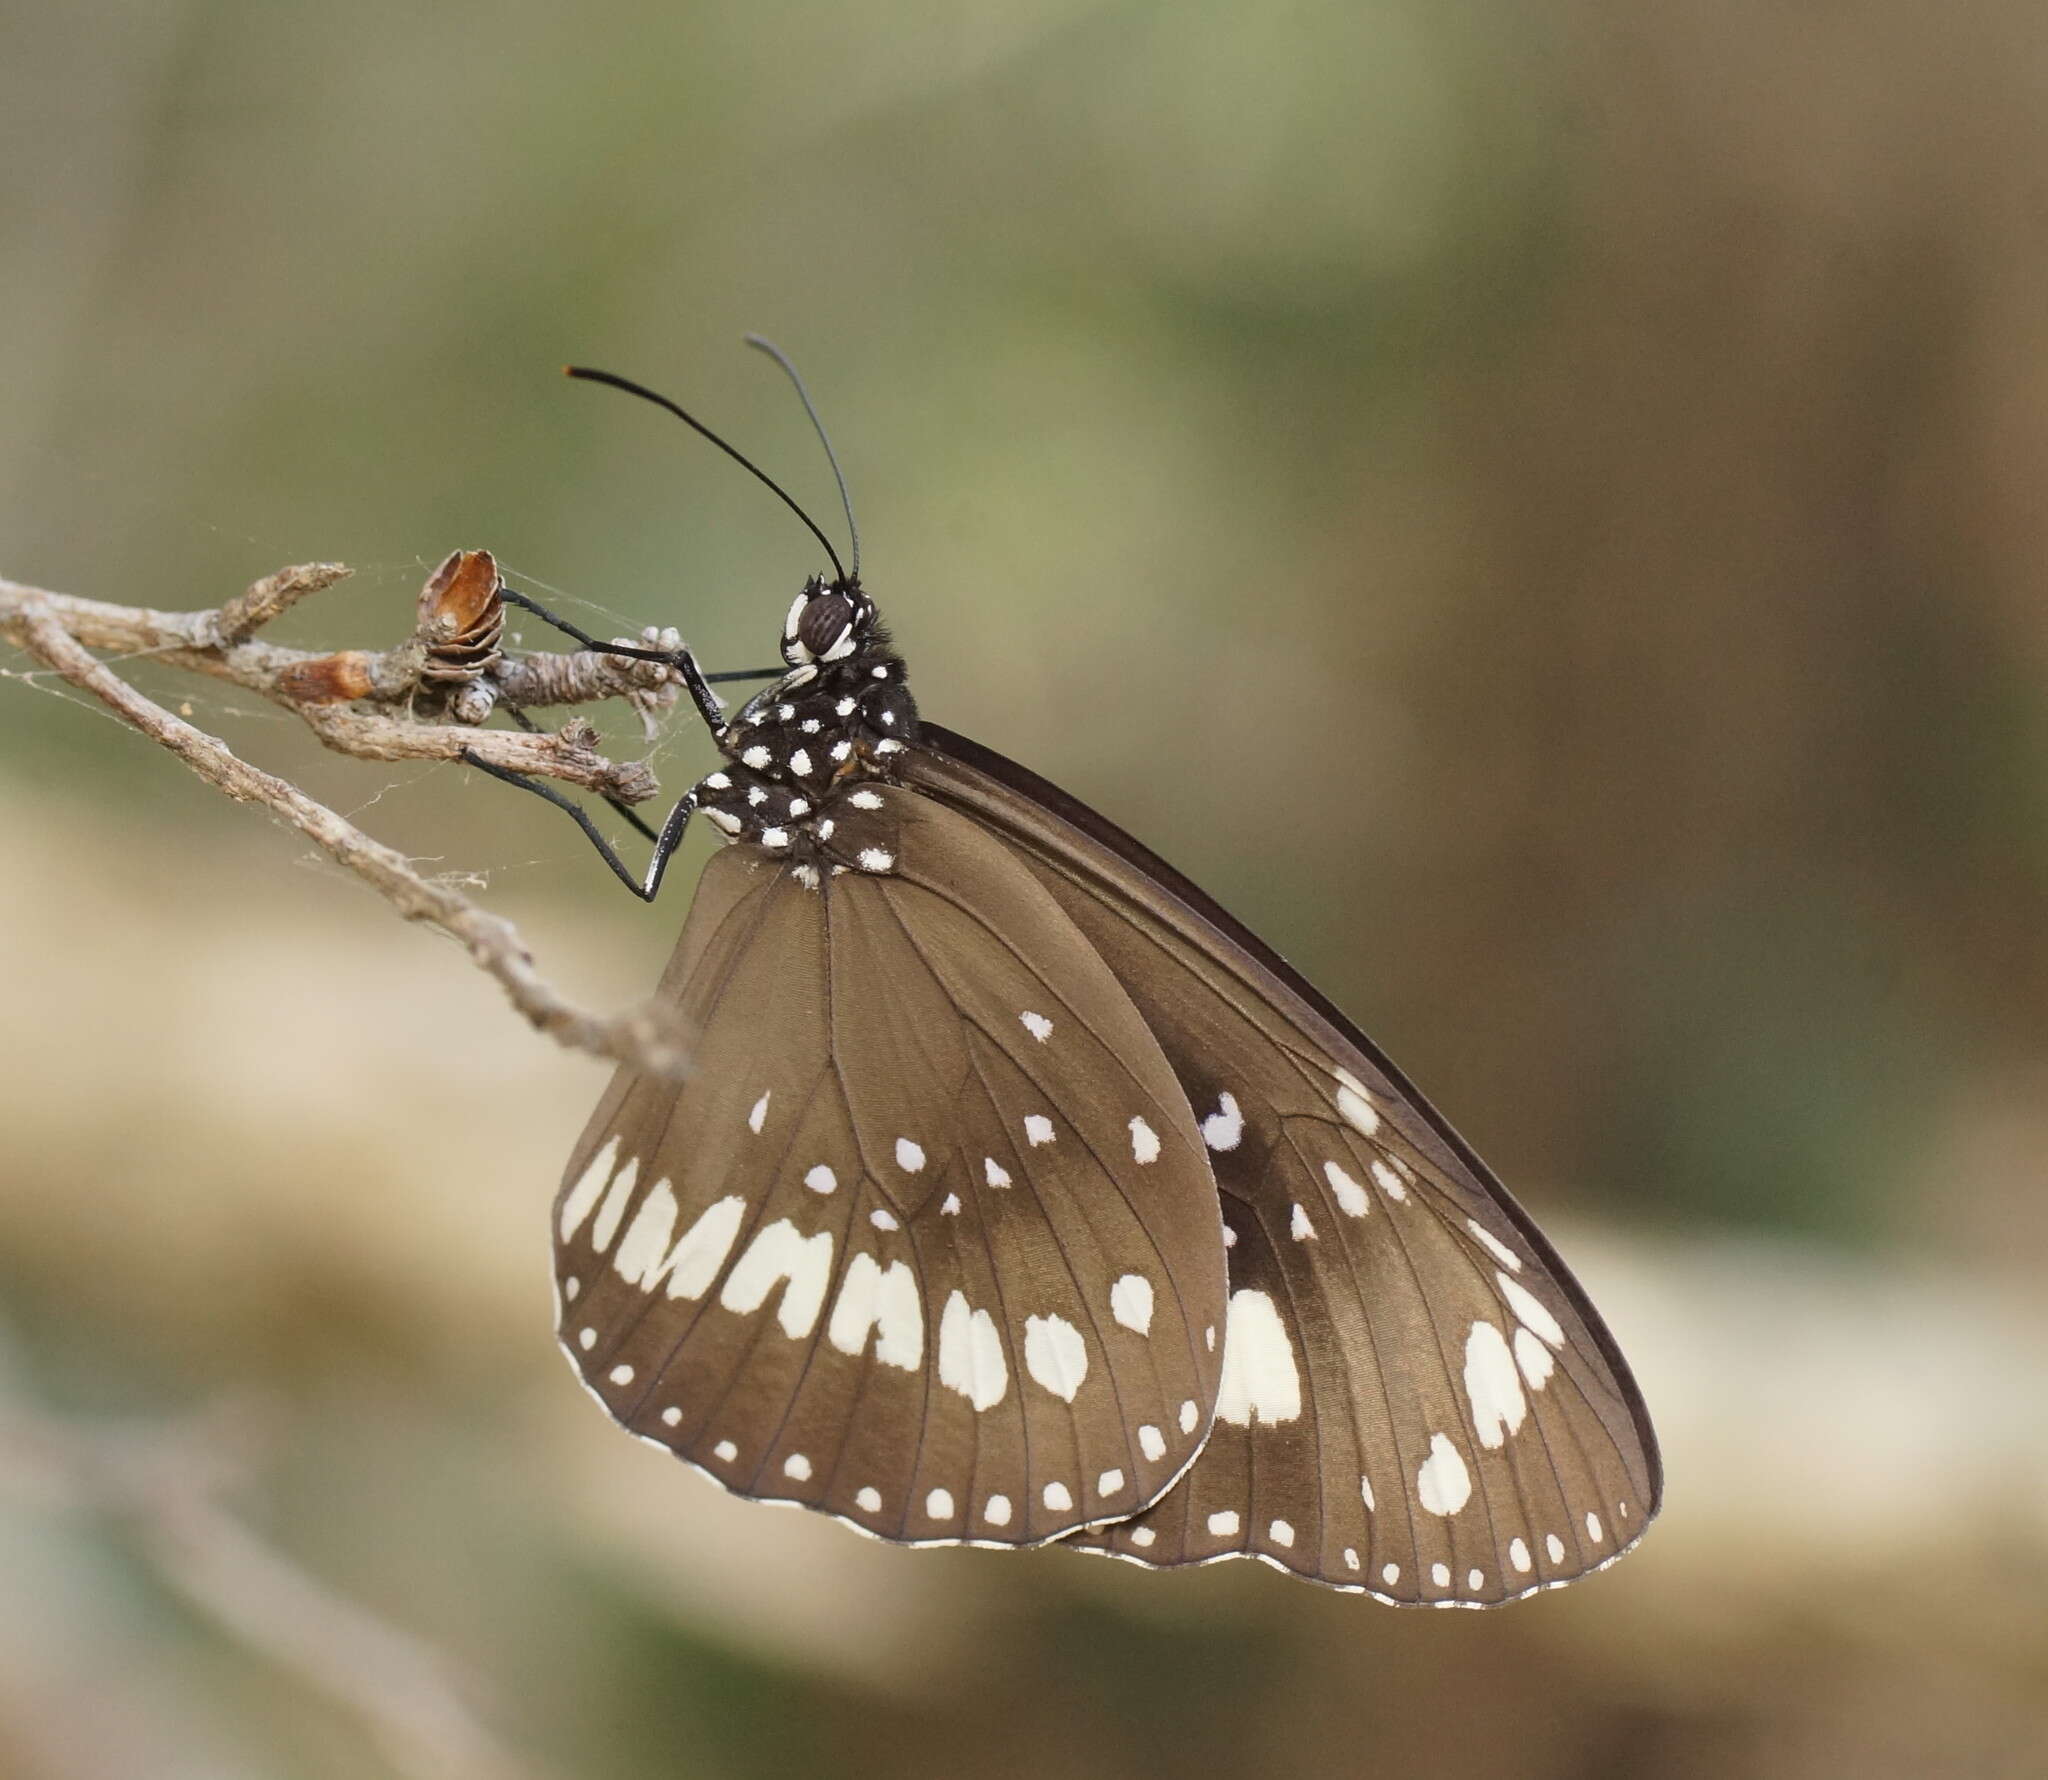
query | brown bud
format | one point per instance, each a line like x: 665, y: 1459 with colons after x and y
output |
x: 327, y: 679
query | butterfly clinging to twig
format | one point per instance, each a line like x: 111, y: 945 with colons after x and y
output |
x: 1017, y: 1193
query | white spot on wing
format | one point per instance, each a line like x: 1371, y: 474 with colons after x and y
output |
x: 1109, y: 1483
x: 1151, y: 1443
x: 1189, y: 1415
x: 971, y: 1354
x: 759, y: 1116
x: 1130, y: 1302
x: 758, y: 758
x: 1350, y: 1558
x: 870, y: 1500
x: 951, y: 1208
x: 1475, y: 1580
x: 694, y: 1262
x: 1280, y: 1533
x: 1534, y: 1359
x: 872, y: 1296
x: 1593, y: 1531
x: 1365, y: 1491
x: 586, y: 1339
x: 1390, y: 1182
x: 797, y: 1466
x: 909, y: 1155
x: 875, y: 859
x: 1391, y: 1575
x: 1144, y: 1142
x: 1260, y: 1379
x: 821, y: 1179
x: 1300, y: 1228
x: 882, y: 1220
x: 1223, y: 1130
x: 1553, y: 1548
x: 726, y: 820
x: 1037, y: 1025
x: 994, y: 1172
x: 776, y: 1254
x: 621, y: 1375
x: 1037, y: 1128
x: 643, y: 1250
x: 1492, y: 1386
x: 1055, y: 1355
x: 726, y: 1451
x: 605, y: 1225
x: 1443, y: 1485
x: 800, y: 764
x: 671, y: 1416
x: 1518, y: 1555
x: 1223, y: 1523
x: 571, y: 1287
x: 1530, y: 1309
x: 1058, y: 1498
x: 939, y: 1505
x: 1440, y: 1574
x: 1352, y: 1198
x: 865, y: 800
x: 1142, y: 1536
x: 1355, y: 1104
x: 1499, y: 1250
x: 576, y: 1203
x: 996, y: 1511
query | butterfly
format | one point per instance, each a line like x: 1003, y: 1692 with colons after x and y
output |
x: 1017, y: 1193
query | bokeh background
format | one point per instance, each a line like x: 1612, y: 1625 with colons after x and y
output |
x: 1539, y: 508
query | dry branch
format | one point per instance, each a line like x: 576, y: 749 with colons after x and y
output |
x: 375, y: 706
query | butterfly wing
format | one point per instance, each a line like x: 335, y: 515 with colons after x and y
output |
x: 1418, y: 1400
x: 928, y: 1238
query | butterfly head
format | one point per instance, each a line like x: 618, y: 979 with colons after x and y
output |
x: 828, y: 621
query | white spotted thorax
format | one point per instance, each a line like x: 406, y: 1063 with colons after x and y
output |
x: 807, y: 759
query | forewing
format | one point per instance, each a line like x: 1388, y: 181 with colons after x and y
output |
x: 928, y: 1239
x: 1417, y: 1400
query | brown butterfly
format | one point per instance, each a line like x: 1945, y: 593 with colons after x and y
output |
x: 1018, y: 1193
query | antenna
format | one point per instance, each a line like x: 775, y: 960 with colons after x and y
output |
x: 647, y: 395
x: 825, y: 439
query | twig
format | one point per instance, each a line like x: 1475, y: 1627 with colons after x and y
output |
x: 57, y: 630
x: 381, y: 723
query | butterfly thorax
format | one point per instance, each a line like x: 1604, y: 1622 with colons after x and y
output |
x: 808, y: 758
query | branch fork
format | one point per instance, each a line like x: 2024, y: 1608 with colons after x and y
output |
x: 423, y: 699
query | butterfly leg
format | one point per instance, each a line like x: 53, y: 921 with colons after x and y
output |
x: 665, y: 843
x: 618, y: 804
x: 709, y: 706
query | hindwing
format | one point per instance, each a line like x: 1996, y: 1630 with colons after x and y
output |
x: 1417, y: 1399
x: 928, y: 1239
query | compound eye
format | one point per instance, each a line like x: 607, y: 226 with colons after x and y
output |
x: 823, y: 621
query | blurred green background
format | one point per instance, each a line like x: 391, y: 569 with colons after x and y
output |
x: 1538, y: 508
